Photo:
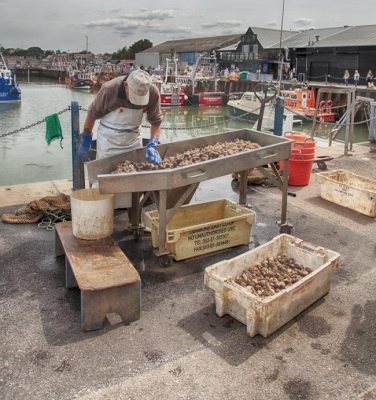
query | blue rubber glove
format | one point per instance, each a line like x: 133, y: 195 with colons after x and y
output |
x: 151, y: 153
x: 85, y: 142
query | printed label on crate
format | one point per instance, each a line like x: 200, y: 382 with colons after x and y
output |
x: 344, y: 190
x: 211, y: 237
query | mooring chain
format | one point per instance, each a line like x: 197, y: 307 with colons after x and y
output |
x: 31, y: 125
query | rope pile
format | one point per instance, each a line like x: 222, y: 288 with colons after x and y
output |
x: 49, y: 210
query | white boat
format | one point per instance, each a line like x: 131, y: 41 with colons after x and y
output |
x: 248, y: 108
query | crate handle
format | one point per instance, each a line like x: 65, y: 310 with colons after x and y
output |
x: 172, y: 237
x: 309, y: 247
x: 195, y: 174
x: 270, y: 155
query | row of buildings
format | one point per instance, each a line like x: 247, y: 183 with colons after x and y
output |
x: 312, y: 54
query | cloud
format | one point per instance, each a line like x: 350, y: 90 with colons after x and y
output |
x: 115, y: 11
x: 106, y: 23
x: 127, y: 22
x: 272, y: 24
x: 303, y: 22
x: 167, y: 29
x: 160, y: 15
x: 222, y: 24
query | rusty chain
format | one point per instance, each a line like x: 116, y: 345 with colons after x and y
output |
x: 31, y: 125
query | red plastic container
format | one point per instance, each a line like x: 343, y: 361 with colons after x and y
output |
x: 300, y: 172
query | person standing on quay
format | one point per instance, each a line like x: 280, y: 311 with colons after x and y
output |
x: 346, y: 77
x: 356, y: 78
x: 120, y: 104
x: 369, y: 79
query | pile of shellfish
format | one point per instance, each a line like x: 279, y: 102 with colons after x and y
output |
x: 191, y: 156
x: 272, y: 275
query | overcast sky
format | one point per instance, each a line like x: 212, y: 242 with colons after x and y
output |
x: 112, y: 24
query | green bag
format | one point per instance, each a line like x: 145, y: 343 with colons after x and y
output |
x: 53, y: 129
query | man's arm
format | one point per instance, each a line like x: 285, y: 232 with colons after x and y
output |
x: 89, y: 124
x: 155, y: 131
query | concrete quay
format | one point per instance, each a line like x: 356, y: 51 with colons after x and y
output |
x: 180, y: 349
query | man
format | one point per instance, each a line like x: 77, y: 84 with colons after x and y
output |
x: 119, y: 105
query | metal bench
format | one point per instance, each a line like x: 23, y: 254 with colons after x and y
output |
x: 108, y: 281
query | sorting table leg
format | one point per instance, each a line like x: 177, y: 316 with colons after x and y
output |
x: 162, y: 222
x: 243, y: 187
x: 284, y: 227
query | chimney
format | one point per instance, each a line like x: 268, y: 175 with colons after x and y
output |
x: 317, y: 38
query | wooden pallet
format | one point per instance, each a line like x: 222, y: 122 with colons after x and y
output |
x: 108, y: 281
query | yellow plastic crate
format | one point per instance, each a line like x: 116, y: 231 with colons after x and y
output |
x: 349, y: 190
x: 203, y: 228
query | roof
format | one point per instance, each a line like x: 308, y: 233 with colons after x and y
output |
x: 231, y: 47
x: 302, y: 39
x: 194, y: 45
x: 363, y: 35
x: 268, y: 37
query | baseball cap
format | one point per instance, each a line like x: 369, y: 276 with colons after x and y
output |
x: 138, y: 87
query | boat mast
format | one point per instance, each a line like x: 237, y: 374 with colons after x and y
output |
x: 280, y: 50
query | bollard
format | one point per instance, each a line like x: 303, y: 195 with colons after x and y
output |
x: 78, y: 173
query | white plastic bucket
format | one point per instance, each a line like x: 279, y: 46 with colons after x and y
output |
x: 92, y: 214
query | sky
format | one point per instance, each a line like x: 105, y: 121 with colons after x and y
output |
x: 110, y: 25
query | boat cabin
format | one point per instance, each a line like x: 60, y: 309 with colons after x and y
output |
x: 299, y: 99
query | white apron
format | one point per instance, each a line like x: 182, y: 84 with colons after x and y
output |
x: 118, y: 132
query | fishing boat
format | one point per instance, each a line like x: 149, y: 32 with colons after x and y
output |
x: 80, y: 80
x: 9, y: 89
x: 172, y: 93
x: 204, y: 77
x: 302, y: 101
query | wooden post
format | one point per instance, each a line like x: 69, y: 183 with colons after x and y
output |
x: 278, y: 116
x: 78, y: 172
x: 348, y: 120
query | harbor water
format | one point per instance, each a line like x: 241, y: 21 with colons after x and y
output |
x: 26, y: 157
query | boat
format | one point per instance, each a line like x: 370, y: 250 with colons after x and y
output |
x: 10, y: 92
x: 211, y: 99
x: 247, y: 108
x: 302, y: 101
x: 172, y: 93
x: 80, y: 80
x: 203, y: 77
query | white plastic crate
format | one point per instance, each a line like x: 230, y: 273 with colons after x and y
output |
x: 203, y: 228
x: 265, y: 315
x: 349, y: 190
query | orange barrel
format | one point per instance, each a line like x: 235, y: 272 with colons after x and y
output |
x: 299, y: 155
x: 300, y: 140
x: 299, y: 172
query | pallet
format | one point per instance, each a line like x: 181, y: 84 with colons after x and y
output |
x: 108, y: 281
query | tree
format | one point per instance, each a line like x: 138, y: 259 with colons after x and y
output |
x: 138, y: 46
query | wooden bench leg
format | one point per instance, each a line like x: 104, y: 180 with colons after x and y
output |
x: 124, y: 300
x: 59, y: 249
x: 70, y: 280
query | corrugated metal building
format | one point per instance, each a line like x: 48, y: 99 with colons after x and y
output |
x: 186, y: 50
x: 316, y: 53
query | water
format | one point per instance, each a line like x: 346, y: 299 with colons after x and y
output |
x: 26, y: 157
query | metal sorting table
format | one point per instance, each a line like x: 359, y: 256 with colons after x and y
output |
x: 171, y: 188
